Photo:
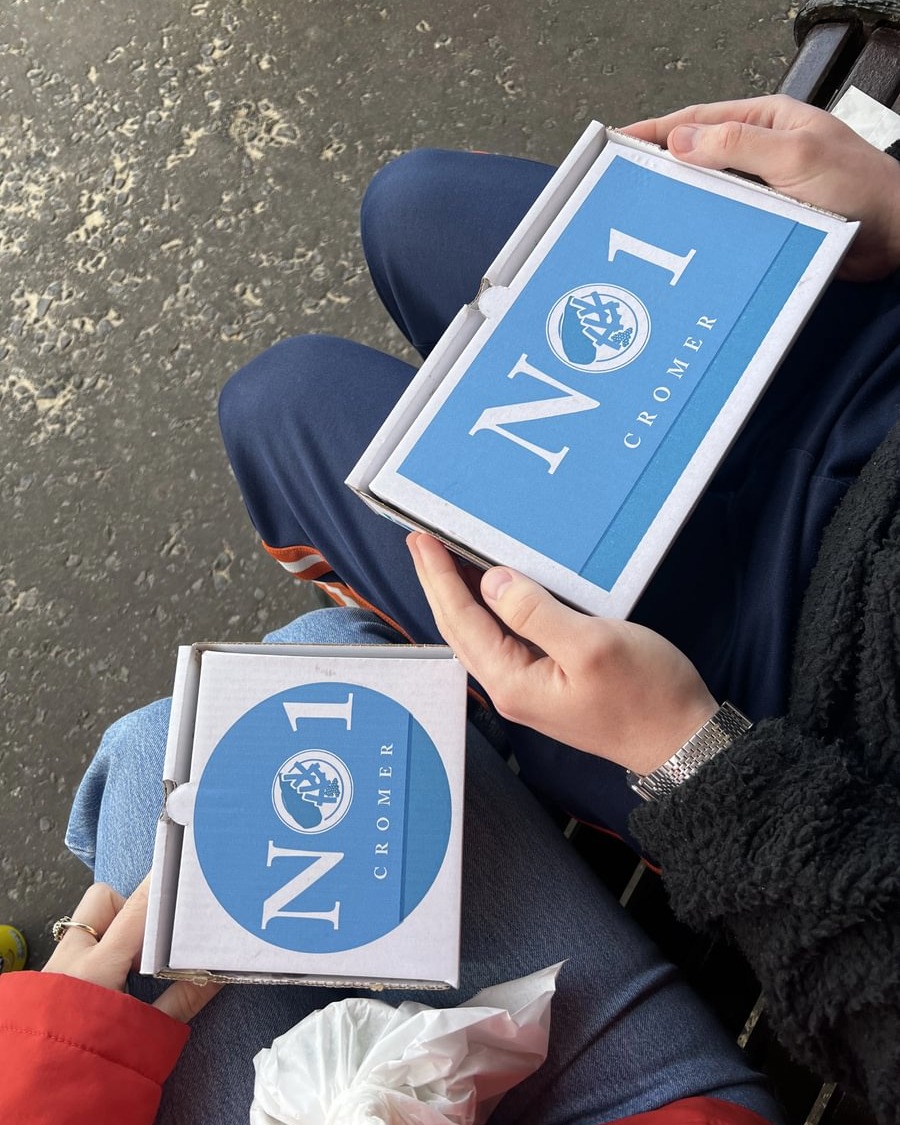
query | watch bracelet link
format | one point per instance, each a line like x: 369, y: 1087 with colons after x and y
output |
x: 716, y: 734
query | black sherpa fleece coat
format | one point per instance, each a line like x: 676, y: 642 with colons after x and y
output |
x: 791, y: 840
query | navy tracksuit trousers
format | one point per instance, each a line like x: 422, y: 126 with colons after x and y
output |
x: 296, y: 419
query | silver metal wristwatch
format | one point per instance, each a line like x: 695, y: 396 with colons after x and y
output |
x: 717, y: 733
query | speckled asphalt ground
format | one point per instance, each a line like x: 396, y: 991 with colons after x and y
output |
x: 179, y: 185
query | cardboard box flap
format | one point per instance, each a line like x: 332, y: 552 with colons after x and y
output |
x: 168, y: 841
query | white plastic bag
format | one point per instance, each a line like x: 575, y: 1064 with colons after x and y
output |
x: 361, y: 1062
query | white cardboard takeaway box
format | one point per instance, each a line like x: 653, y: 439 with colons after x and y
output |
x: 312, y: 828
x: 570, y: 418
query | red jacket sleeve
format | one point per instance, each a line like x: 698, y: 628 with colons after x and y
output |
x: 697, y: 1111
x: 82, y: 1054
x: 86, y: 1055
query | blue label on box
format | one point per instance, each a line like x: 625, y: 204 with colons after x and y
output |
x: 322, y: 817
x: 581, y: 411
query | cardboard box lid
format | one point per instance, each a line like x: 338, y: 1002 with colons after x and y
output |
x: 494, y: 445
x: 313, y: 826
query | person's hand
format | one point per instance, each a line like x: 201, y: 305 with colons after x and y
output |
x: 108, y: 960
x: 803, y: 152
x: 611, y: 688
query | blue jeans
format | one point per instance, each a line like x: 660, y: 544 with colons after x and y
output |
x: 628, y: 1034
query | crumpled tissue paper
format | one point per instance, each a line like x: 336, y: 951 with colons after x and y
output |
x: 362, y: 1062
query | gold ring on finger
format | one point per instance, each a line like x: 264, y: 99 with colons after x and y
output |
x: 63, y: 924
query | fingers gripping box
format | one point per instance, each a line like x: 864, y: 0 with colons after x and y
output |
x: 312, y: 826
x: 570, y: 418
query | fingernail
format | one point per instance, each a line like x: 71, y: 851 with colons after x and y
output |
x: 684, y: 137
x: 495, y: 582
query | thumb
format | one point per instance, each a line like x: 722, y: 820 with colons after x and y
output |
x: 184, y: 999
x: 121, y: 944
x: 771, y: 154
x: 529, y: 611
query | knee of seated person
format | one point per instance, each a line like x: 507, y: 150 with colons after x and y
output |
x: 254, y: 398
x: 403, y: 193
x: 137, y: 741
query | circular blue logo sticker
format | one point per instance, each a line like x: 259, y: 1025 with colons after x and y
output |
x: 598, y: 328
x: 322, y: 817
x: 312, y: 791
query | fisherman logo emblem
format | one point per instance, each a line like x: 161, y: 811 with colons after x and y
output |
x: 598, y: 328
x: 312, y: 791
